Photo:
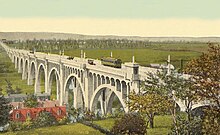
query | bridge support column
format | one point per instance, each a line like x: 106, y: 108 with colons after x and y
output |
x: 62, y: 92
x: 86, y: 88
x: 16, y: 63
x: 46, y: 77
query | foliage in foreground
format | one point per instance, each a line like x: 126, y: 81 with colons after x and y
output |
x: 130, y: 124
x: 206, y: 72
x: 4, y: 110
x: 31, y: 101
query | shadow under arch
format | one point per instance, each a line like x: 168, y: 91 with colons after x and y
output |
x: 32, y: 73
x: 97, y: 93
x: 77, y: 91
x: 54, y: 74
x: 41, y: 77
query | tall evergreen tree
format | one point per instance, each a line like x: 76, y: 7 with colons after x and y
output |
x: 4, y: 110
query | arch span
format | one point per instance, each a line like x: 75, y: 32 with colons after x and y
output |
x: 54, y: 73
x: 78, y: 93
x: 32, y: 73
x: 98, y: 92
x: 41, y: 71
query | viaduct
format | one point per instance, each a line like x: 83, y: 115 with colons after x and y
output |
x: 90, y: 83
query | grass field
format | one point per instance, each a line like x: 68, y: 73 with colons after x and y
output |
x: 162, y: 125
x: 12, y: 75
x: 142, y: 56
x: 72, y: 129
x: 154, y: 53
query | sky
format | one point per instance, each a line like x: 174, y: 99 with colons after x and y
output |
x: 113, y: 17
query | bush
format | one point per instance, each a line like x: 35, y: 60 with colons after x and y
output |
x: 186, y: 127
x: 45, y: 119
x: 63, y: 121
x: 130, y: 124
x: 15, y: 126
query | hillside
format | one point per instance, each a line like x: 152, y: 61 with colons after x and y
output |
x: 51, y: 35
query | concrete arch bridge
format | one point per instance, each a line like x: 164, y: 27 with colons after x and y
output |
x: 77, y: 80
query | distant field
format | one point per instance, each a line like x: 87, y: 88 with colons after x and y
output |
x: 142, y: 56
x: 72, y: 129
x: 153, y: 53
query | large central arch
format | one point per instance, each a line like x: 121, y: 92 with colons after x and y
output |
x: 54, y: 75
x: 76, y: 89
x: 97, y: 93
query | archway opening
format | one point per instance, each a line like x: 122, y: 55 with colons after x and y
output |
x: 32, y: 74
x: 26, y: 70
x: 21, y: 66
x: 17, y: 63
x: 40, y: 86
x: 54, y: 85
x: 106, y: 101
x: 74, y: 96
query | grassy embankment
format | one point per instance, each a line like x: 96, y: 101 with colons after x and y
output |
x: 11, y: 74
x: 162, y: 125
x: 71, y: 129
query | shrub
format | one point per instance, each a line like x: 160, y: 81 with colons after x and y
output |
x: 63, y: 121
x: 186, y: 127
x: 130, y: 124
x: 15, y: 126
x: 45, y: 119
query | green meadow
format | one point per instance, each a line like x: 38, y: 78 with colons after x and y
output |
x: 162, y: 127
x: 9, y: 72
x: 71, y: 129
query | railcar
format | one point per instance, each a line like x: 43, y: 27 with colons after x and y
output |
x: 112, y: 62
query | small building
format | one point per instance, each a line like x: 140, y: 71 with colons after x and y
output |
x: 21, y: 115
x: 22, y: 97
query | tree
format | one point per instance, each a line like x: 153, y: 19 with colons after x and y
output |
x: 130, y: 124
x: 31, y: 101
x: 169, y: 88
x: 17, y: 90
x: 9, y: 88
x: 206, y: 72
x: 4, y: 110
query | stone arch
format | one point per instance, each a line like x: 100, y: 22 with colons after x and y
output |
x: 97, y: 93
x: 102, y: 79
x: 112, y: 81
x: 32, y: 73
x: 21, y: 65
x: 41, y: 71
x: 98, y: 80
x: 17, y: 63
x: 54, y: 74
x: 25, y: 72
x: 118, y: 85
x: 95, y: 81
x: 78, y: 92
x: 107, y: 80
x: 124, y: 89
x: 198, y: 105
x: 14, y: 59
